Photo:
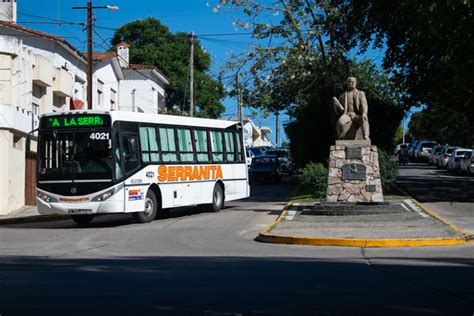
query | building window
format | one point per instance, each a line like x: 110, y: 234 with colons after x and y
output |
x: 113, y: 98
x: 100, y: 93
x: 58, y: 101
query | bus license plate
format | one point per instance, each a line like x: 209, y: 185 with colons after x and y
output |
x: 79, y: 211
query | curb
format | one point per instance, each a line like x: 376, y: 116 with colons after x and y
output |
x: 466, y: 238
x: 33, y: 219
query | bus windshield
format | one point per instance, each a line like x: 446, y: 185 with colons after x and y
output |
x: 66, y: 155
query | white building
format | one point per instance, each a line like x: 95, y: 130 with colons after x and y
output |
x: 142, y: 87
x: 254, y: 135
x: 42, y: 73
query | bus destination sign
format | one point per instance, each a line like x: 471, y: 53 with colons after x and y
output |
x: 75, y: 121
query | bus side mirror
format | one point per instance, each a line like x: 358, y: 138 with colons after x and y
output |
x: 29, y: 136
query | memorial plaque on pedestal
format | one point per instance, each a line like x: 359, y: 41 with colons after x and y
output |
x: 353, y: 171
x: 354, y: 153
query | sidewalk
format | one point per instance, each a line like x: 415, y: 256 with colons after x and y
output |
x: 396, y: 223
x: 28, y: 214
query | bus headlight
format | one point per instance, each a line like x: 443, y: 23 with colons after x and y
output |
x: 45, y: 197
x: 107, y: 194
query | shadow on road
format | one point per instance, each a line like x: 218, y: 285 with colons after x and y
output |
x: 235, y: 286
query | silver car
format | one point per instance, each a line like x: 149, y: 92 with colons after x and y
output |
x: 434, y: 154
x: 444, y: 155
x: 455, y: 158
x: 466, y: 165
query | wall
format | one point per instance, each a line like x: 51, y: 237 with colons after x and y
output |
x: 144, y: 94
x: 104, y: 71
x: 12, y: 171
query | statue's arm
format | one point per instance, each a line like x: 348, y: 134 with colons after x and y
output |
x: 337, y: 105
x: 363, y: 103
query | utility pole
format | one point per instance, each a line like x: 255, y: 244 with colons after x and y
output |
x: 239, y: 100
x: 277, y: 135
x: 89, y: 55
x: 89, y: 8
x: 191, y: 75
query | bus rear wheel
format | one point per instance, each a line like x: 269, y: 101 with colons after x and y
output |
x: 82, y: 219
x: 151, y: 208
x: 217, y: 199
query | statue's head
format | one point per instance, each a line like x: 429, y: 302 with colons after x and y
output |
x: 351, y: 83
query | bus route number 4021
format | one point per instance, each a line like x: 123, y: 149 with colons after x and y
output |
x: 99, y: 136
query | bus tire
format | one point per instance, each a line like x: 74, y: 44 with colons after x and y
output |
x: 217, y: 199
x: 82, y: 219
x: 151, y: 208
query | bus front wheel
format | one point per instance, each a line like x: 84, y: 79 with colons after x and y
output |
x: 82, y: 219
x: 151, y: 208
x: 217, y: 199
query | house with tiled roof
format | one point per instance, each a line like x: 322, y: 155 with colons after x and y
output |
x: 142, y: 87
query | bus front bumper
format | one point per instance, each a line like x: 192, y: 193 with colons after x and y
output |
x: 61, y: 205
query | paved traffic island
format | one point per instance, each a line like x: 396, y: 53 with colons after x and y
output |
x: 397, y: 223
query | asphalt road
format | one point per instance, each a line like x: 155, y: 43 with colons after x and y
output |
x: 192, y: 263
x: 449, y: 194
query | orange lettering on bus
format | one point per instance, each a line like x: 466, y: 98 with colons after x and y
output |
x: 162, y: 173
x: 179, y: 173
x: 172, y: 174
x: 204, y: 172
x: 219, y: 173
x: 188, y: 172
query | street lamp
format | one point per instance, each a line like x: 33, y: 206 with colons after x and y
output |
x: 89, y: 8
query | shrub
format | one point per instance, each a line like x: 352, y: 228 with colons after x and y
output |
x: 314, y: 179
x: 388, y: 171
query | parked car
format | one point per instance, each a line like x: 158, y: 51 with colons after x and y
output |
x: 422, y: 150
x: 456, y: 156
x: 466, y: 164
x: 433, y: 158
x: 265, y: 168
x: 444, y: 155
x: 258, y: 150
x: 412, y: 147
x: 250, y: 156
x: 283, y: 155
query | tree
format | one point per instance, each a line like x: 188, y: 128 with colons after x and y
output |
x: 152, y: 43
x: 429, y: 49
x: 297, y: 67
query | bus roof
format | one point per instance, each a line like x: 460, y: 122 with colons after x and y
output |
x: 153, y: 118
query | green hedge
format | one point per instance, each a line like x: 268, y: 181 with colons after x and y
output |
x: 313, y: 180
x: 388, y: 171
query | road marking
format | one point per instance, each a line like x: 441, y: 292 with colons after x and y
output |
x: 406, y: 208
x: 290, y: 215
x: 415, y: 208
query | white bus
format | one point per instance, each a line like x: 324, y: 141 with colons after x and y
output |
x: 99, y: 162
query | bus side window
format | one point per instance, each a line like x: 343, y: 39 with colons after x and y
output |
x: 168, y: 144
x: 200, y: 138
x: 149, y: 143
x: 229, y: 145
x: 130, y: 151
x: 217, y: 146
x: 186, y: 153
x: 240, y: 153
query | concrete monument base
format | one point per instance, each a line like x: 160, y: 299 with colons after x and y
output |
x: 354, y: 174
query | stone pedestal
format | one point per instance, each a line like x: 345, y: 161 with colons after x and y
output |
x: 354, y: 174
